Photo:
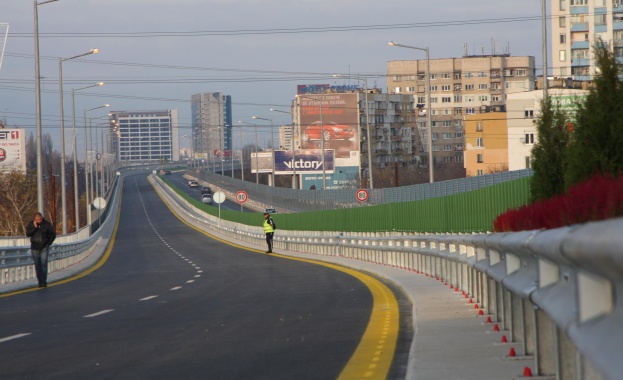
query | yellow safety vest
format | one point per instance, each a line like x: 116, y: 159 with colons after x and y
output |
x: 268, y: 228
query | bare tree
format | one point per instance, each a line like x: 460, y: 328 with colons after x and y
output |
x: 18, y: 193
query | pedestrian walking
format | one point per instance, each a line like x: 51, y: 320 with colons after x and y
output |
x: 269, y: 230
x: 42, y: 235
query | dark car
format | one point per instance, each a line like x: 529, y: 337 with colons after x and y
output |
x: 167, y: 172
x: 206, y: 190
x: 330, y: 131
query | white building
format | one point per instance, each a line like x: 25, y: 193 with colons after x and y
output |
x: 522, y: 112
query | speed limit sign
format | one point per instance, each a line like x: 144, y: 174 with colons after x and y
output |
x: 362, y: 195
x: 242, y: 196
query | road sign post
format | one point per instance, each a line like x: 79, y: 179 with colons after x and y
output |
x: 362, y: 195
x: 241, y: 197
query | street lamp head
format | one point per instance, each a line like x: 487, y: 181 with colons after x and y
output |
x: 392, y: 43
x: 95, y: 51
x: 100, y: 84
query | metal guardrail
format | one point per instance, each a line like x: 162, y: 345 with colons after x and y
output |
x: 558, y: 293
x: 67, y: 250
x: 313, y: 200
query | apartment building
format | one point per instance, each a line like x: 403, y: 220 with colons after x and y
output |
x: 576, y: 26
x: 486, y: 143
x: 211, y: 115
x: 144, y: 135
x: 458, y: 87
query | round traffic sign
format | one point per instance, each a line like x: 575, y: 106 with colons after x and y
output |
x: 362, y: 195
x: 242, y: 196
x: 218, y: 197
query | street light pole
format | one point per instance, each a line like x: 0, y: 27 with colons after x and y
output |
x: 428, y: 107
x: 257, y: 163
x: 272, y: 143
x: 73, y: 122
x: 40, y: 202
x: 369, y: 141
x: 63, y: 179
x: 86, y: 158
x: 324, y: 174
x: 294, y: 179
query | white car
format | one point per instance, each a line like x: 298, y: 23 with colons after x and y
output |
x: 206, y: 198
x: 193, y: 184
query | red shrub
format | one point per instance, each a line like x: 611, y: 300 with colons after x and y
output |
x: 598, y: 198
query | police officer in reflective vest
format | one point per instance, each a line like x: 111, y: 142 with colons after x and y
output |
x: 269, y: 230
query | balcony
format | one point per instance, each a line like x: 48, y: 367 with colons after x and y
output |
x: 579, y: 27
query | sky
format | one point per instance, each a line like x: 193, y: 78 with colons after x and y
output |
x: 155, y: 54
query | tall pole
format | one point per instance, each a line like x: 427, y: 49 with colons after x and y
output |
x: 86, y: 172
x: 370, y: 166
x: 544, y: 42
x: 241, y: 156
x: 76, y: 197
x: 429, y: 117
x: 257, y: 162
x: 294, y: 181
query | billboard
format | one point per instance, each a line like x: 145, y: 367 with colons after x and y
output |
x: 12, y: 150
x: 331, y: 121
x: 264, y: 160
x: 304, y: 162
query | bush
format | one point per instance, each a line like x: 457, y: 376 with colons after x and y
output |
x: 598, y: 198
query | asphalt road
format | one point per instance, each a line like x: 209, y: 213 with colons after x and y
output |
x: 178, y: 180
x: 173, y: 303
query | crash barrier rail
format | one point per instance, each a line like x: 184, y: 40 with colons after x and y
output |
x: 558, y: 294
x: 314, y: 200
x: 16, y: 261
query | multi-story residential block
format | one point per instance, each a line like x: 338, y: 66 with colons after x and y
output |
x: 523, y: 111
x: 211, y: 124
x: 576, y: 26
x: 486, y: 143
x: 458, y: 87
x: 144, y: 135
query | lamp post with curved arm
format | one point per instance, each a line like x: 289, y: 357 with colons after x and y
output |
x: 86, y: 158
x: 40, y: 202
x: 75, y: 154
x: 370, y: 166
x: 257, y: 163
x: 63, y: 180
x: 294, y: 181
x: 272, y: 143
x: 428, y: 107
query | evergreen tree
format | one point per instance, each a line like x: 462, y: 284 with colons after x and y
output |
x: 548, y: 159
x: 596, y: 144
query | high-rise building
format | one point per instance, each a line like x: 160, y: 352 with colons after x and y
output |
x: 211, y: 124
x: 144, y: 135
x: 458, y: 87
x: 577, y: 25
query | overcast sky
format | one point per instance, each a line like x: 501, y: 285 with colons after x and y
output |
x: 154, y: 54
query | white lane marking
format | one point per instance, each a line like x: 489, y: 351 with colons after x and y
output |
x: 98, y: 313
x: 197, y: 275
x: 189, y: 281
x: 2, y: 340
x: 176, y: 288
x: 147, y: 298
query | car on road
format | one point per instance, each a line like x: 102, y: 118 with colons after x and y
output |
x: 329, y: 131
x: 167, y: 172
x: 206, y: 190
x: 193, y: 184
x: 206, y: 198
x: 270, y: 210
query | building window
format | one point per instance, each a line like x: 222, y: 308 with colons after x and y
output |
x: 458, y: 158
x: 447, y: 159
x: 435, y: 148
x: 410, y: 77
x: 529, y: 138
x: 479, y: 172
x: 446, y: 99
x: 397, y: 90
x: 446, y: 112
x: 457, y: 75
x: 478, y: 126
x: 433, y: 100
x: 447, y: 148
x: 482, y: 74
x: 445, y: 87
x: 433, y: 88
x: 411, y: 89
x: 600, y: 19
x: 520, y: 73
x: 578, y: 2
x: 479, y: 158
x: 469, y: 99
x: 421, y: 76
x: 445, y: 76
x: 495, y: 86
x: 527, y: 162
x: 469, y: 75
x: 435, y: 136
x: 469, y: 87
x: 458, y: 99
x: 562, y: 5
x: 458, y: 135
x: 562, y: 21
x: 457, y: 110
x: 397, y: 78
x: 483, y: 86
x: 433, y: 76
x: 447, y: 135
x: 562, y: 55
x: 528, y: 114
x: 446, y: 123
x: 479, y: 142
x: 483, y: 98
x: 495, y: 98
x: 421, y: 100
x: 469, y: 111
x: 563, y: 38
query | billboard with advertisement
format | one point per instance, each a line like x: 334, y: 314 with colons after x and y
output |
x: 305, y: 161
x: 344, y: 177
x: 12, y: 150
x: 331, y: 121
x: 264, y: 160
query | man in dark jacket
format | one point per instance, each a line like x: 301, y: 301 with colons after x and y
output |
x: 42, y: 235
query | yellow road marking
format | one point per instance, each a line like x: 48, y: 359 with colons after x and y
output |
x: 366, y: 361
